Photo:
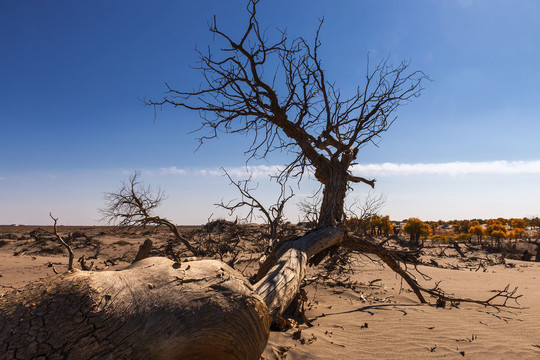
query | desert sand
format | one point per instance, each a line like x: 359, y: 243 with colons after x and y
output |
x: 370, y: 314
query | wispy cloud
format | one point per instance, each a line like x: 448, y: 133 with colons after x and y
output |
x: 259, y: 171
x: 384, y: 169
x: 239, y: 172
x: 173, y: 170
x: 450, y: 168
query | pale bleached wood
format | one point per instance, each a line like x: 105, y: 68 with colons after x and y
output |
x: 155, y: 309
x: 281, y: 283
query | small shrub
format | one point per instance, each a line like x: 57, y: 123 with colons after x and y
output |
x: 219, y: 225
x: 55, y: 250
x: 121, y: 243
x: 9, y: 236
x: 442, y: 238
x: 78, y: 234
x: 463, y: 237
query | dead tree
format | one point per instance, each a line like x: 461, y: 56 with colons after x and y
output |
x: 273, y: 215
x: 305, y: 115
x: 309, y: 208
x: 133, y: 205
x: 366, y: 208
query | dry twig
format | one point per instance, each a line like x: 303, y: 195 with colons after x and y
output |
x: 70, y: 263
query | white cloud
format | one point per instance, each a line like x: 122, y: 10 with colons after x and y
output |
x: 173, y: 170
x: 450, y: 168
x: 385, y: 169
x: 239, y: 172
x: 259, y: 171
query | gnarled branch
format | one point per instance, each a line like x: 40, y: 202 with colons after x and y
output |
x: 133, y: 205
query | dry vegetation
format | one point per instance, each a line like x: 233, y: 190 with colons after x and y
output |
x: 349, y: 282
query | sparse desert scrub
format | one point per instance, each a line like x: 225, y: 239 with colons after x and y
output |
x: 122, y: 243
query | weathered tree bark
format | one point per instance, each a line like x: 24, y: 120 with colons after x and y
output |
x: 282, y: 273
x: 144, y: 250
x: 335, y: 189
x: 155, y: 309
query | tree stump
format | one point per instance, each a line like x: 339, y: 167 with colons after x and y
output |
x: 144, y: 250
x: 154, y: 309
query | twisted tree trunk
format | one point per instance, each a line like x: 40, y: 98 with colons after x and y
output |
x: 335, y: 189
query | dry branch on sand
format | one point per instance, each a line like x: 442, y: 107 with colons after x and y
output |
x: 394, y: 260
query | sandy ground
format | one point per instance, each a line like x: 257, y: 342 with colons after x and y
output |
x: 370, y: 316
x: 401, y: 328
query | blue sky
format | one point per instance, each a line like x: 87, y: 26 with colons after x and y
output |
x: 72, y: 76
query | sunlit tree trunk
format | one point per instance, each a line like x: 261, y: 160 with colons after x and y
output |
x: 335, y: 189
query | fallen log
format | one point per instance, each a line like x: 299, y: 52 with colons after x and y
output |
x: 154, y: 309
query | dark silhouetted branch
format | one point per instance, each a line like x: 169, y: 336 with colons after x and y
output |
x: 273, y: 215
x: 61, y: 240
x: 133, y: 205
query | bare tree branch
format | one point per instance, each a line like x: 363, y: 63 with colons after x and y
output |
x: 133, y: 205
x: 370, y: 206
x: 62, y: 241
x: 500, y: 299
x: 272, y: 215
x: 309, y: 207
